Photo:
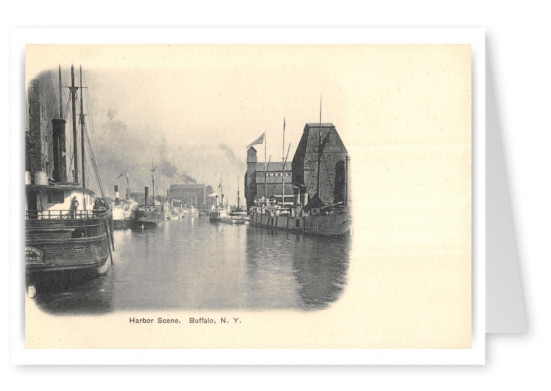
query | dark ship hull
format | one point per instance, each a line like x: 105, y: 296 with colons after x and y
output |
x: 322, y: 225
x: 121, y: 224
x: 148, y: 217
x: 62, y: 252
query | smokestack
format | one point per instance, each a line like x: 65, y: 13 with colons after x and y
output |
x: 116, y: 193
x: 146, y: 194
x: 60, y: 164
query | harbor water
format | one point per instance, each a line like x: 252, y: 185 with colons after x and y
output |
x: 194, y: 264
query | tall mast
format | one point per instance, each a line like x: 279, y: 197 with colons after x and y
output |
x: 238, y: 192
x: 127, y: 184
x: 73, y: 108
x: 283, y: 166
x: 82, y: 133
x: 221, y: 192
x: 319, y: 155
x: 60, y: 96
x: 153, y: 180
x: 265, y: 172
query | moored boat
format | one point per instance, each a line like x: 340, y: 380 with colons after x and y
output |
x: 238, y: 215
x: 65, y: 246
x: 148, y: 216
x: 320, y: 186
x: 216, y: 215
x: 123, y: 210
x: 123, y: 213
x: 232, y: 220
x: 68, y: 230
x: 219, y: 213
x: 332, y: 221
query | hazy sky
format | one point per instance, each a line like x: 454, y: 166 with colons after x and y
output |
x: 192, y: 109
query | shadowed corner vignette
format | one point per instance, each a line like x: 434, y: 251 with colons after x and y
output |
x: 111, y: 226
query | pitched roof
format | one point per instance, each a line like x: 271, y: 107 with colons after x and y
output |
x: 317, y: 125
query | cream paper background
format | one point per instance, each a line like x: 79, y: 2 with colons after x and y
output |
x: 404, y: 114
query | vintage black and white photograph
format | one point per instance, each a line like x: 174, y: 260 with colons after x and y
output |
x: 247, y: 196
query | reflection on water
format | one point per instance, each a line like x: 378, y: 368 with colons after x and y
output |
x: 193, y: 264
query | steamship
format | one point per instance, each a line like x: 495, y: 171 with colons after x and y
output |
x: 238, y: 215
x: 219, y: 213
x: 320, y: 185
x: 150, y: 214
x: 68, y: 230
x: 124, y: 211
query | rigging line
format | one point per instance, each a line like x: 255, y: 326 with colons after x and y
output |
x: 308, y: 187
x: 90, y: 110
x: 69, y: 138
x: 58, y: 99
x: 92, y: 136
x: 98, y: 183
x: 69, y: 143
x: 90, y: 140
x: 93, y: 158
x: 90, y: 163
x: 53, y: 85
x: 66, y: 112
x: 327, y: 172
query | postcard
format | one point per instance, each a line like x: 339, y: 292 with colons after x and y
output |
x: 250, y: 197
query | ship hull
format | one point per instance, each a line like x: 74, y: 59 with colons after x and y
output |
x: 217, y: 216
x: 121, y: 224
x: 56, y: 259
x: 232, y: 220
x: 322, y: 225
x: 147, y: 219
x: 146, y: 224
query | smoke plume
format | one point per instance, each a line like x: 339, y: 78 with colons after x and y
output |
x: 230, y: 155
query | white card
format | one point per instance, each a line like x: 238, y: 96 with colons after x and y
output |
x: 418, y: 201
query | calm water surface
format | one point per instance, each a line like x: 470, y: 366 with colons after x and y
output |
x: 194, y: 264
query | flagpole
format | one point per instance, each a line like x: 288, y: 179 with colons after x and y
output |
x: 153, y: 180
x: 319, y: 156
x: 265, y: 172
x: 283, y: 166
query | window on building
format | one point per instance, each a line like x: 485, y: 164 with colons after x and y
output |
x: 55, y: 197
